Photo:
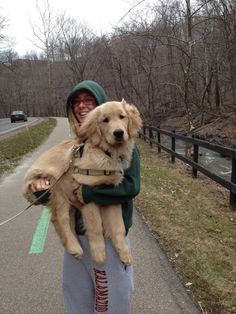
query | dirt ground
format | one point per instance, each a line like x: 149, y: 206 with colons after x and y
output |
x: 220, y: 131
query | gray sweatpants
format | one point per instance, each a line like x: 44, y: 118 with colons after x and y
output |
x: 91, y: 288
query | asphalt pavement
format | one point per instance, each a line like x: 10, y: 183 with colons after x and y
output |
x: 8, y: 129
x: 31, y: 283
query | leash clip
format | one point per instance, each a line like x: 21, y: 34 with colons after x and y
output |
x: 78, y: 150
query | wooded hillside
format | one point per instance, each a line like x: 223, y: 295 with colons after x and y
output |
x: 175, y: 59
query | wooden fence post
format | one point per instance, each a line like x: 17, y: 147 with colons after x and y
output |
x: 195, y: 158
x: 144, y: 132
x: 233, y: 180
x: 173, y: 147
x: 150, y: 135
x: 159, y: 140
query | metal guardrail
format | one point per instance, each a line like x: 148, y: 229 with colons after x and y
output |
x: 153, y: 136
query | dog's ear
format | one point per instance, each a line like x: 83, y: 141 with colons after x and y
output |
x: 89, y: 129
x: 135, y: 121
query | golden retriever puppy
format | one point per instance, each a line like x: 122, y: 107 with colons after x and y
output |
x: 100, y: 156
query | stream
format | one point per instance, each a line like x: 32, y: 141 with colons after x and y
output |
x: 211, y: 160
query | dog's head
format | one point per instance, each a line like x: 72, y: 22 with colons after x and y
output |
x: 114, y: 122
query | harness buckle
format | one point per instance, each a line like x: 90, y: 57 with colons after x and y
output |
x: 78, y: 150
x: 107, y: 172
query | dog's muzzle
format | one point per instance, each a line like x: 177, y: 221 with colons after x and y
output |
x: 119, y: 134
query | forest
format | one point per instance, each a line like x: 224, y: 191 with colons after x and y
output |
x: 171, y: 59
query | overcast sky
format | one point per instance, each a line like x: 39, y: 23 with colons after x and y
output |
x: 100, y: 15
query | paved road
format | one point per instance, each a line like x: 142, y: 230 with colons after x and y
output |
x: 8, y: 128
x: 31, y: 283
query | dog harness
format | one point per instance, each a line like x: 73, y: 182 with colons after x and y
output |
x: 77, y: 152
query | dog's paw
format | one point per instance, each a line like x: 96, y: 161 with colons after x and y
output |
x: 77, y: 251
x: 123, y: 252
x: 126, y: 259
x: 77, y: 255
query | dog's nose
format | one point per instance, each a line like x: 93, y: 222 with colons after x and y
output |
x: 118, y: 133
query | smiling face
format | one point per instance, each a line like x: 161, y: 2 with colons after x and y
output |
x: 81, y: 104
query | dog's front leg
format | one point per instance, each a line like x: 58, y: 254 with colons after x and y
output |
x: 61, y: 220
x: 94, y: 231
x: 114, y: 229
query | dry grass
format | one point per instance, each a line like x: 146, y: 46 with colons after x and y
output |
x: 18, y: 145
x: 192, y: 220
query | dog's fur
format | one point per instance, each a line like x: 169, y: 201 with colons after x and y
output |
x: 108, y: 132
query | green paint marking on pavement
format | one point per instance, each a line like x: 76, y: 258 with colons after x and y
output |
x: 40, y: 234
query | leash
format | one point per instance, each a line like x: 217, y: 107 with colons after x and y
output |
x: 37, y: 199
x: 77, y: 150
x: 25, y: 209
x: 48, y: 190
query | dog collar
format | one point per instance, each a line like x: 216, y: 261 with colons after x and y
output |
x: 78, y: 151
x: 95, y: 172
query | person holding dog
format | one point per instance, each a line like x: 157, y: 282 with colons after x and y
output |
x: 89, y: 287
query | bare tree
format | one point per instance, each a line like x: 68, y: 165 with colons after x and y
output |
x: 46, y: 35
x: 5, y: 41
x: 225, y: 10
x: 76, y: 47
x: 7, y: 57
x: 174, y: 59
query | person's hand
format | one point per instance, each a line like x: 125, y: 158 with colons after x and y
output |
x: 40, y: 184
x: 40, y: 188
x: 78, y: 193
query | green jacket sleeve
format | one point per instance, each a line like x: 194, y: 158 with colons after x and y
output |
x: 125, y: 191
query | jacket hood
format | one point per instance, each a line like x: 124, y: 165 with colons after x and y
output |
x: 92, y: 87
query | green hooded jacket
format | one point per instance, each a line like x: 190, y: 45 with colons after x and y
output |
x: 94, y: 88
x: 107, y: 194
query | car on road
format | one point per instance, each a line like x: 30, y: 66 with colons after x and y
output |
x: 18, y: 116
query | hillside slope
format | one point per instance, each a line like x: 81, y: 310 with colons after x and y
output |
x: 221, y: 130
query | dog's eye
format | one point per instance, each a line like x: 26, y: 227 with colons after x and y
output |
x: 122, y: 116
x: 105, y: 120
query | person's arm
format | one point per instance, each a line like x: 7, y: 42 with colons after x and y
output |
x: 110, y: 194
x: 44, y: 169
